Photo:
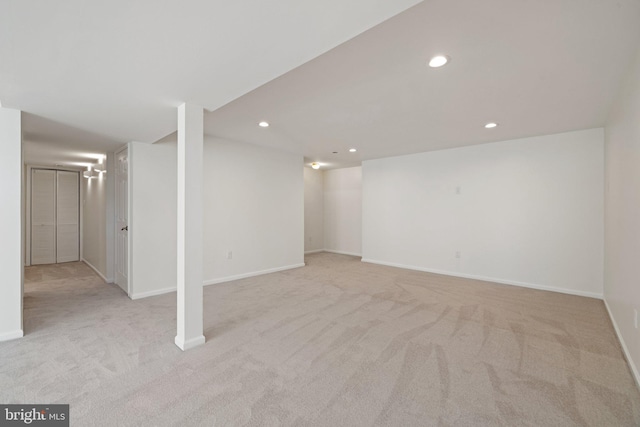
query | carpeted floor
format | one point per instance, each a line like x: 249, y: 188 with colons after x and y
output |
x: 336, y: 343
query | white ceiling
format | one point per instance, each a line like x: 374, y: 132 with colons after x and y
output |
x: 119, y: 68
x: 535, y: 67
x: 49, y: 143
x: 93, y: 75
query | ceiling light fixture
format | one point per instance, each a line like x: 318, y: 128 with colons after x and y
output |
x: 490, y: 125
x: 100, y: 166
x: 352, y: 150
x: 90, y: 174
x: 315, y: 165
x: 263, y: 124
x: 438, y: 61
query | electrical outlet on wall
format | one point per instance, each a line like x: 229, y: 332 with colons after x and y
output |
x: 229, y: 255
x: 458, y: 254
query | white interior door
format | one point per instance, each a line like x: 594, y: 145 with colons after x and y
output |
x: 43, y: 216
x: 67, y: 217
x: 122, y: 219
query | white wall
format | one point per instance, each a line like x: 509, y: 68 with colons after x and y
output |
x: 110, y: 219
x: 94, y: 224
x: 622, y: 218
x: 343, y: 210
x: 253, y: 207
x: 313, y: 210
x: 11, y: 250
x: 153, y: 221
x: 529, y: 212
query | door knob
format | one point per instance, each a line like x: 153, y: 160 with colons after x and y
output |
x: 125, y: 228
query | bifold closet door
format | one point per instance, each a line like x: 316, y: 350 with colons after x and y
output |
x: 67, y: 217
x: 43, y: 216
x: 55, y: 216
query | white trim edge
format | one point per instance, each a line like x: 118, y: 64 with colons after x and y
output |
x: 342, y: 252
x: 152, y: 293
x: 190, y: 343
x: 220, y: 280
x: 252, y: 274
x: 11, y: 335
x: 96, y: 270
x: 315, y: 251
x: 489, y: 279
x: 625, y: 350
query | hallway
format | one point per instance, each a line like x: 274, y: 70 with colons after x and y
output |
x: 61, y: 293
x: 80, y: 334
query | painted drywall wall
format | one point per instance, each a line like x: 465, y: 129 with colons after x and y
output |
x: 11, y: 249
x: 253, y: 209
x: 313, y: 210
x: 527, y: 212
x: 94, y: 224
x: 343, y: 210
x: 110, y: 219
x: 153, y: 221
x: 622, y: 214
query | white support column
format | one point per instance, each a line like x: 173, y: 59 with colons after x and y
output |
x: 11, y: 248
x: 190, y: 226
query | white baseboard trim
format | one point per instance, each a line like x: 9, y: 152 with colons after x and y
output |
x: 252, y: 274
x: 190, y: 343
x: 315, y: 251
x: 489, y: 279
x: 97, y: 271
x: 152, y: 293
x: 216, y: 281
x: 11, y: 335
x: 625, y: 349
x: 342, y: 252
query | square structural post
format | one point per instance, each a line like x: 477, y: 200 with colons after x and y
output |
x: 190, y: 226
x: 11, y: 262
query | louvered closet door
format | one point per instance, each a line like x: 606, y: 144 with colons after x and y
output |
x: 43, y: 216
x: 68, y: 217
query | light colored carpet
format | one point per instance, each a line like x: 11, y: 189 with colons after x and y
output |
x: 336, y: 343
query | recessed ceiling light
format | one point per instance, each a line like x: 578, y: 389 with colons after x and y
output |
x: 263, y: 124
x: 490, y: 125
x: 315, y: 165
x: 352, y: 150
x: 438, y: 61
